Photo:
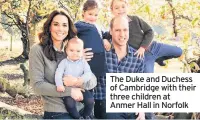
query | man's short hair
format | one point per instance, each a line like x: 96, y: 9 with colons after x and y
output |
x: 113, y: 20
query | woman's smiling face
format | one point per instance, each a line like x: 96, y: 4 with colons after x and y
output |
x: 59, y: 28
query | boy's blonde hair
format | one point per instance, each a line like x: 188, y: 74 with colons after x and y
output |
x: 112, y: 1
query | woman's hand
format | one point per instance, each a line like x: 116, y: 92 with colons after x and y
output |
x: 87, y: 55
x: 141, y: 116
x: 140, y: 53
x: 79, y: 82
x: 76, y: 94
x: 60, y: 88
x: 69, y: 80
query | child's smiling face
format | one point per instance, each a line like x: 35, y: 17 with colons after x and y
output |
x: 119, y: 7
x: 90, y: 16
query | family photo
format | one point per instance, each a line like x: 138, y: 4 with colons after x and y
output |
x: 55, y: 53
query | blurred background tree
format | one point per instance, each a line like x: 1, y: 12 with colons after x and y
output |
x: 175, y: 20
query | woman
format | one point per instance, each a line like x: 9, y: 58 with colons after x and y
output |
x: 43, y: 60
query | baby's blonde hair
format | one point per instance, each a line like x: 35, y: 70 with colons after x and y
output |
x: 74, y: 40
x: 112, y: 1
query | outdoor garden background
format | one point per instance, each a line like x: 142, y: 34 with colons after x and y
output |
x: 175, y: 22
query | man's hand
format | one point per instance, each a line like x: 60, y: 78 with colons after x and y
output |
x: 141, y: 116
x: 140, y: 53
x: 87, y: 54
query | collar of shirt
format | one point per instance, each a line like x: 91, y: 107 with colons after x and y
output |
x: 86, y: 23
x: 94, y: 25
x: 62, y: 48
x: 76, y: 61
x: 129, y: 19
x: 113, y: 49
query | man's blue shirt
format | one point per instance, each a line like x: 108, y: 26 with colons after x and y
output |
x: 129, y: 64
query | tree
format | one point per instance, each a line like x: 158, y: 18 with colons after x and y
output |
x: 17, y: 13
x: 26, y: 14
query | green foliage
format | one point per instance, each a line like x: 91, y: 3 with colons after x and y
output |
x: 195, y: 21
x: 7, y: 114
x: 187, y: 13
x: 72, y: 6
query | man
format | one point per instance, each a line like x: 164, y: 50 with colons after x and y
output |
x: 120, y: 59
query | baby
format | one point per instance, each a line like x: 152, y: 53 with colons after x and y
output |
x: 76, y: 67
